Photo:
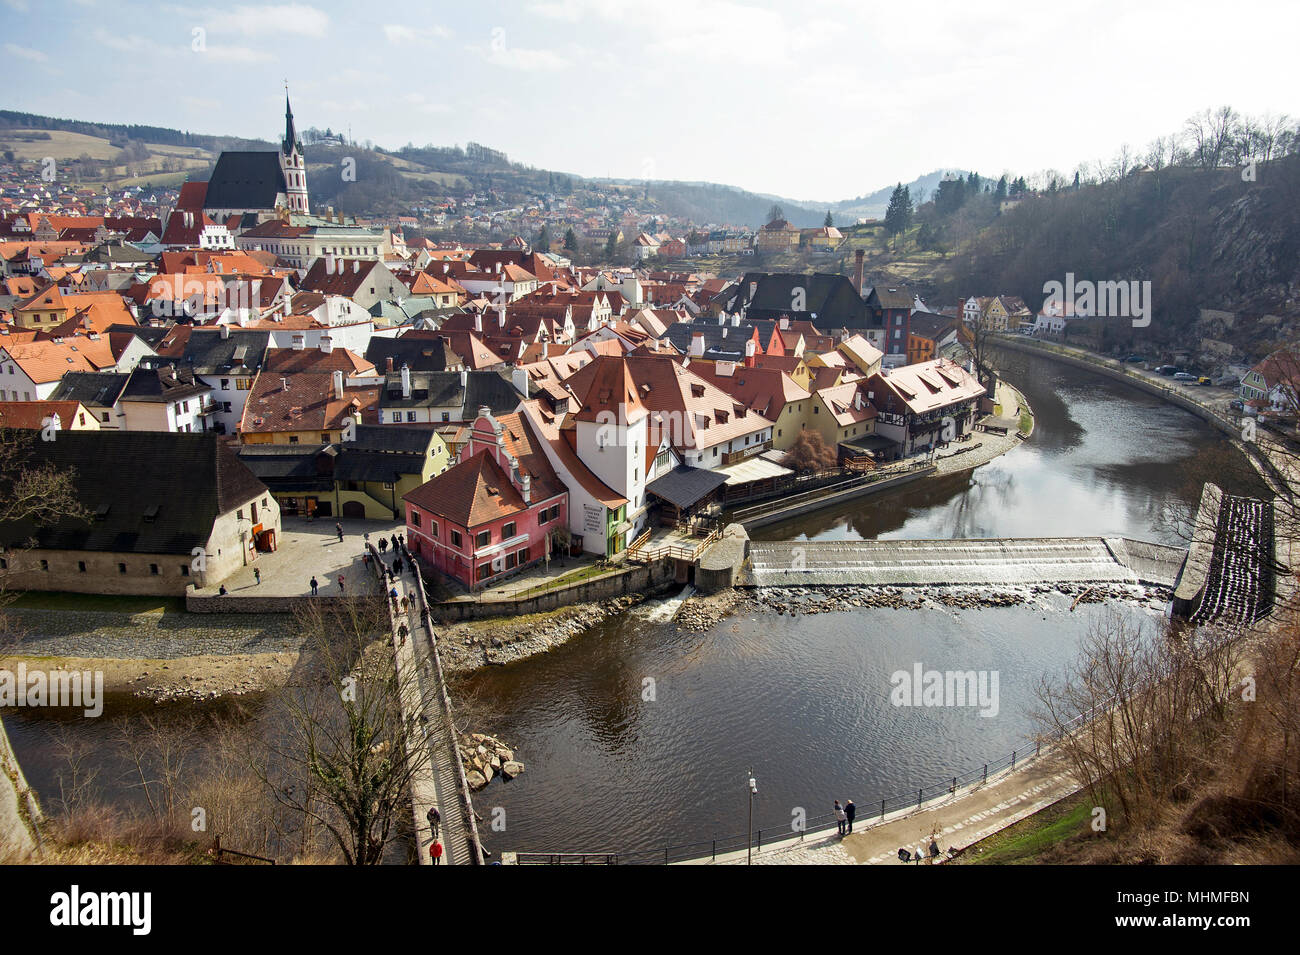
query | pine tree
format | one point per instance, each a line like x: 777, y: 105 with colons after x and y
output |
x: 899, y: 214
x: 570, y: 241
x: 829, y: 221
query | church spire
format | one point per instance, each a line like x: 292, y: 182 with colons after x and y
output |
x: 290, y: 135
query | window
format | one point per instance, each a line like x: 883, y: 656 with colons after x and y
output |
x: 121, y: 568
x: 397, y: 416
x: 484, y: 571
x: 293, y: 439
x: 239, y: 514
x: 446, y: 416
x: 185, y: 570
x: 410, y: 416
x: 153, y: 569
x: 45, y: 565
x: 483, y: 539
x: 523, y: 556
x: 325, y: 437
x: 508, y: 531
x: 414, y: 518
x: 81, y: 566
x: 455, y: 538
x: 433, y: 530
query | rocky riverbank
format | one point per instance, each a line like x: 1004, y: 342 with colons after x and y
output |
x: 485, y: 757
x: 501, y: 640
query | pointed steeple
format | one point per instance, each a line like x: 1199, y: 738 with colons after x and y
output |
x: 290, y: 135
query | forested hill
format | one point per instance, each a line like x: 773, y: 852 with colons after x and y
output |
x: 1206, y: 238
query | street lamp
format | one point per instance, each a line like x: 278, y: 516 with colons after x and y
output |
x: 753, y: 791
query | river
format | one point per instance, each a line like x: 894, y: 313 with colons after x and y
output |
x: 805, y: 701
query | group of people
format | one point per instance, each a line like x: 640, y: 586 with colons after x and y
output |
x: 844, y: 816
x: 435, y: 825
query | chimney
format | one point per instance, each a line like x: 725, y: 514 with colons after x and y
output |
x: 225, y: 331
x: 478, y: 322
x: 390, y: 364
x: 326, y: 344
x: 857, y: 270
x: 464, y: 378
x: 697, y: 344
x: 406, y: 381
x: 284, y: 384
x: 338, y: 385
x: 785, y: 322
x: 526, y: 488
x: 356, y: 266
x: 749, y: 353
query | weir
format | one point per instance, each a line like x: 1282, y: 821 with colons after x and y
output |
x: 985, y: 562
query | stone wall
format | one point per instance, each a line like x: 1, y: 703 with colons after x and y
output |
x: 20, y: 814
x: 636, y: 579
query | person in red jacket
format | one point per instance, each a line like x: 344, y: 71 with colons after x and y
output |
x: 435, y: 851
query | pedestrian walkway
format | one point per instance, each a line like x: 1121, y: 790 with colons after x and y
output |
x: 956, y: 821
x: 305, y: 549
x: 436, y: 782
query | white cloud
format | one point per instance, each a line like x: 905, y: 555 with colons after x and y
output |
x: 399, y: 34
x: 297, y: 19
x: 26, y: 53
x: 521, y: 59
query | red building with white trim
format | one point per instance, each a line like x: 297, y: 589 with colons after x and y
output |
x: 494, y: 511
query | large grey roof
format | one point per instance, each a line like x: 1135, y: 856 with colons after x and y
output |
x: 245, y: 180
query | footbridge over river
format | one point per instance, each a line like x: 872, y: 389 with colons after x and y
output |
x: 976, y: 562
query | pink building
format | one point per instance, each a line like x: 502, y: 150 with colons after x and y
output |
x: 495, y: 511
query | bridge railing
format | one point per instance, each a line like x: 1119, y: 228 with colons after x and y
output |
x: 462, y: 781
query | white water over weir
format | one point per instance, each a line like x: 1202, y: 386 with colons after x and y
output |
x: 987, y: 562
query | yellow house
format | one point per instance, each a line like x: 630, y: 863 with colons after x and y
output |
x: 364, y: 477
x: 843, y: 412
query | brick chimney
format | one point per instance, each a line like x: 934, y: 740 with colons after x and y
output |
x: 857, y: 270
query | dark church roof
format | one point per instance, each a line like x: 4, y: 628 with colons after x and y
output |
x: 146, y: 492
x: 245, y: 180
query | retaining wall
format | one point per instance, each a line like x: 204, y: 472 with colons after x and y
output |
x: 861, y: 490
x: 642, y: 578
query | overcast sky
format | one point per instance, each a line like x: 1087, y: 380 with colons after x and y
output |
x: 814, y: 99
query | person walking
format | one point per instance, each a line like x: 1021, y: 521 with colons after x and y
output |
x: 394, y: 543
x: 257, y: 575
x: 435, y: 852
x: 340, y: 582
x: 367, y: 537
x: 314, y: 586
x: 406, y: 604
x: 402, y: 631
x: 841, y: 818
x: 850, y: 811
x: 397, y: 566
x: 339, y: 527
x: 383, y: 545
x: 435, y: 820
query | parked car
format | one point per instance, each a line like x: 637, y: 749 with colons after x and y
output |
x: 1203, y: 380
x: 1183, y: 376
x: 1134, y: 359
x: 1235, y: 404
x: 1167, y: 370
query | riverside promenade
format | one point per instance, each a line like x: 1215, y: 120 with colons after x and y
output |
x: 955, y: 821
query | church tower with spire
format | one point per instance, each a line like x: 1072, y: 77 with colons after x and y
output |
x: 292, y: 164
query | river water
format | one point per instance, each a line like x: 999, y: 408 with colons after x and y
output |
x: 805, y: 702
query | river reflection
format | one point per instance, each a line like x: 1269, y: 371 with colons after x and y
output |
x: 1104, y: 460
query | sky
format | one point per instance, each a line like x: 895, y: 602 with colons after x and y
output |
x: 814, y: 100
